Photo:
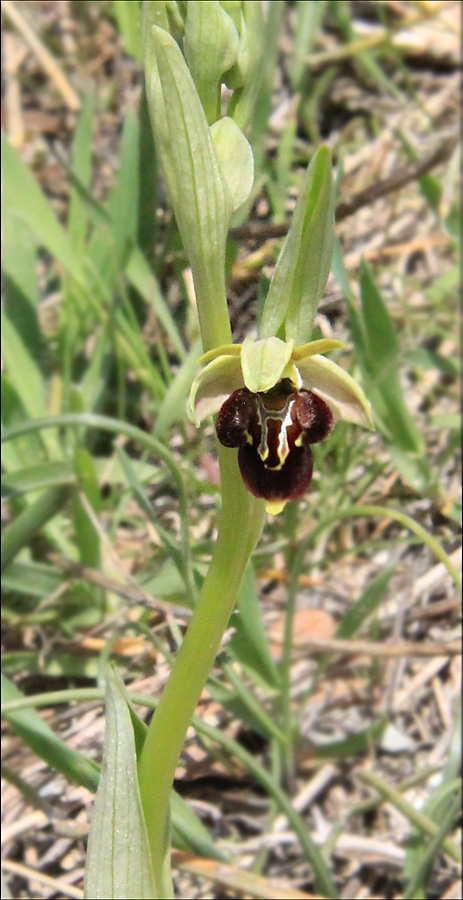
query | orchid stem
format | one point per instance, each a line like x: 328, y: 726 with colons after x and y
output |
x: 240, y: 527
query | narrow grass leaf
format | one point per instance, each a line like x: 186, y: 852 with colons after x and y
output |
x: 82, y: 167
x: 189, y: 833
x: 323, y: 879
x: 118, y: 859
x: 173, y: 406
x: 86, y: 535
x: 381, y: 362
x: 366, y: 604
x: 19, y: 265
x: 26, y: 378
x: 31, y: 520
x: 249, y: 645
x: 148, y: 199
x: 36, y: 478
x: 356, y: 325
x: 183, y: 563
x: 41, y: 739
x: 143, y: 280
x: 442, y: 809
x: 128, y: 19
x: 123, y: 202
x: 416, y: 886
x: 354, y: 745
x: 309, y: 17
x: 31, y: 578
x: 417, y: 818
x: 23, y: 195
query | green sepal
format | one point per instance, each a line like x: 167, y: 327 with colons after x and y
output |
x: 236, y: 159
x: 304, y: 263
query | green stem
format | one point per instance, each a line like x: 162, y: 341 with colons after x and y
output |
x: 240, y: 527
x: 290, y: 527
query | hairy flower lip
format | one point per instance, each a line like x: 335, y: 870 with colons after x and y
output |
x: 274, y: 438
x: 260, y: 365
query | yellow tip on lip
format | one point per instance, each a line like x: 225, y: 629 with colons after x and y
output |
x: 274, y: 507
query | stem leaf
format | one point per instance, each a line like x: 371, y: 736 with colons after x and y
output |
x: 118, y: 862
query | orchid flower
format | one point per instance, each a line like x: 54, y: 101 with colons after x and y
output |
x: 273, y: 402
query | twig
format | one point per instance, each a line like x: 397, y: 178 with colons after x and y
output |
x: 43, y: 55
x: 399, y: 179
x: 367, y: 648
x: 236, y: 879
x: 135, y: 595
x: 373, y: 40
x: 57, y: 885
x: 402, y: 176
x: 417, y: 818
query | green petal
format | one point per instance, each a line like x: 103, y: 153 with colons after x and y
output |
x: 213, y: 386
x: 341, y: 392
x: 263, y: 362
x: 324, y: 345
x: 224, y: 350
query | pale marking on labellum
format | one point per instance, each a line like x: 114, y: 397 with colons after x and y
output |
x: 284, y: 417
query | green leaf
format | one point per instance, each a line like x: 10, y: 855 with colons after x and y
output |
x: 173, y: 406
x: 31, y: 520
x: 22, y: 194
x: 249, y: 644
x: 123, y: 203
x: 309, y: 19
x: 353, y: 745
x: 19, y: 264
x: 383, y: 346
x: 26, y: 377
x: 304, y: 263
x: 211, y: 47
x: 41, y: 739
x: 86, y: 535
x: 236, y: 159
x: 198, y: 193
x: 32, y: 579
x: 366, y: 604
x: 189, y: 833
x: 128, y: 19
x: 166, y: 583
x: 381, y: 362
x: 118, y: 859
x: 36, y: 478
x: 82, y: 171
x: 143, y: 280
x: 416, y: 817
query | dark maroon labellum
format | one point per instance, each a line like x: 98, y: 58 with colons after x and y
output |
x: 274, y: 431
